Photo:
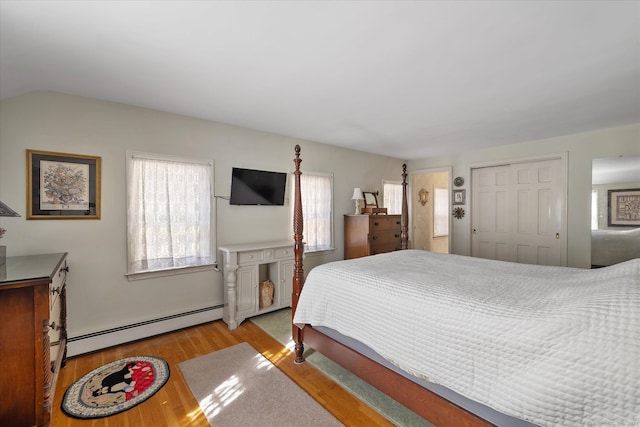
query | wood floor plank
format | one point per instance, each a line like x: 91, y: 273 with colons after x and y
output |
x: 175, y: 406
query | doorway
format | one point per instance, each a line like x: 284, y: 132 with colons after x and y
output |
x: 429, y: 204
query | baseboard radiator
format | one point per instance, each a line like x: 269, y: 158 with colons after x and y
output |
x: 123, y: 334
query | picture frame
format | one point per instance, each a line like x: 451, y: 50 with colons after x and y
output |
x: 623, y: 207
x: 62, y: 185
x: 459, y: 197
x: 370, y: 199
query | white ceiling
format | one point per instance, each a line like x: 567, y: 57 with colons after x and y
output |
x: 615, y: 170
x: 407, y: 79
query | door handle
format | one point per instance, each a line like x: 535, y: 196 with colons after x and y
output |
x: 557, y: 235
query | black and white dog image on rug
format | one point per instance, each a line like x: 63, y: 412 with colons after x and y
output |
x: 119, y: 381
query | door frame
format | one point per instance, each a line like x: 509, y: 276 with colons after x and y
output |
x: 563, y: 156
x: 410, y: 198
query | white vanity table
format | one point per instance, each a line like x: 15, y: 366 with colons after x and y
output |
x: 244, y: 267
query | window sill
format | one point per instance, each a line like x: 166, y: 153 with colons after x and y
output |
x: 170, y: 272
x: 318, y: 251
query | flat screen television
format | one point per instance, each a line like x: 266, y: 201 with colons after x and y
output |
x: 256, y: 187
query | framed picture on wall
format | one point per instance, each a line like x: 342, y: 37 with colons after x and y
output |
x: 623, y: 208
x: 62, y: 186
x: 458, y: 197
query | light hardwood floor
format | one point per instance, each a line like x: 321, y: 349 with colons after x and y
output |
x: 174, y: 406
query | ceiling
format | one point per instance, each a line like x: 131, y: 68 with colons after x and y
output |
x: 615, y: 170
x: 406, y: 79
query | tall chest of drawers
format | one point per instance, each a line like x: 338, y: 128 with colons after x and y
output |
x: 366, y: 235
x: 33, y: 336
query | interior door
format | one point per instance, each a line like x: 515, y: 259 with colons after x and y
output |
x: 490, y: 207
x: 519, y: 212
x: 539, y: 202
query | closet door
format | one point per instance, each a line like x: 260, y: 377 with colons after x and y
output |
x: 538, y: 235
x: 519, y: 212
x: 490, y: 213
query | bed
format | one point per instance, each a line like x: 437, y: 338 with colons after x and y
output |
x: 610, y: 247
x: 530, y: 345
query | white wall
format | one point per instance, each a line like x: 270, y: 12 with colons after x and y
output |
x: 99, y: 295
x: 581, y: 148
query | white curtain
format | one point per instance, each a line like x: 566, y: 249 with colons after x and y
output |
x: 392, y: 193
x: 441, y: 212
x: 316, y: 193
x: 594, y: 210
x: 169, y: 214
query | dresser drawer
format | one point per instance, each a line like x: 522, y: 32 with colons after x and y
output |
x: 58, y: 281
x: 55, y: 328
x: 250, y: 256
x: 384, y: 241
x: 382, y: 222
x: 383, y: 247
x: 284, y: 253
x: 384, y: 237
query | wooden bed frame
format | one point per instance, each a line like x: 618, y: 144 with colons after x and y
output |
x: 425, y: 403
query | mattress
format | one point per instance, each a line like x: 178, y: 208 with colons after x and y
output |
x: 548, y: 345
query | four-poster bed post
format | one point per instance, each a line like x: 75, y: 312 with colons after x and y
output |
x: 298, y: 272
x: 425, y: 403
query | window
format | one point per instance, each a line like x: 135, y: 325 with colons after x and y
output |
x: 169, y: 212
x: 441, y: 212
x: 392, y: 193
x: 316, y: 190
x: 594, y: 210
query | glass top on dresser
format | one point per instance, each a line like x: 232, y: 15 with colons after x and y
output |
x: 29, y: 267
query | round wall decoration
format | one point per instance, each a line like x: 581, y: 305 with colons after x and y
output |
x: 115, y: 387
x: 458, y: 181
x: 458, y: 213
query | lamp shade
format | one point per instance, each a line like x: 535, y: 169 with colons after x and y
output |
x: 357, y: 194
x: 7, y: 211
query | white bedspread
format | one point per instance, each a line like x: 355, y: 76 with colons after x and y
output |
x: 555, y: 346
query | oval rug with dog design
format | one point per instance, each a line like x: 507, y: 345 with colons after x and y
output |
x: 115, y: 387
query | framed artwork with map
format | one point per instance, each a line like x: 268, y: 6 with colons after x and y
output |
x: 62, y: 186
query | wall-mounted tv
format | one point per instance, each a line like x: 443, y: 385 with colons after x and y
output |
x: 256, y: 187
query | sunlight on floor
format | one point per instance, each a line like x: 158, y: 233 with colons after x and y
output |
x: 291, y: 345
x: 222, y: 396
x: 275, y: 358
x: 262, y: 362
x: 192, y: 415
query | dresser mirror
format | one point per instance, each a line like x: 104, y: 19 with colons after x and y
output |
x: 370, y: 199
x: 613, y: 244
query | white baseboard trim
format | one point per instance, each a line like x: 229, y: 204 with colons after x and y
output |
x: 116, y: 336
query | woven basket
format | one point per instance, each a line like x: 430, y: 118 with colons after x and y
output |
x: 266, y: 293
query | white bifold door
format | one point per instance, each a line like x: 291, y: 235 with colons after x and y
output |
x: 519, y: 212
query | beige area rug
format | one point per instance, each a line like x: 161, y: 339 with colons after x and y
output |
x: 278, y: 325
x: 237, y: 386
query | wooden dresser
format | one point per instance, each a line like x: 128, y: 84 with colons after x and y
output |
x: 371, y: 234
x: 33, y: 336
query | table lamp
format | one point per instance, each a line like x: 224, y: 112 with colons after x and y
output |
x: 5, y: 211
x: 357, y: 196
